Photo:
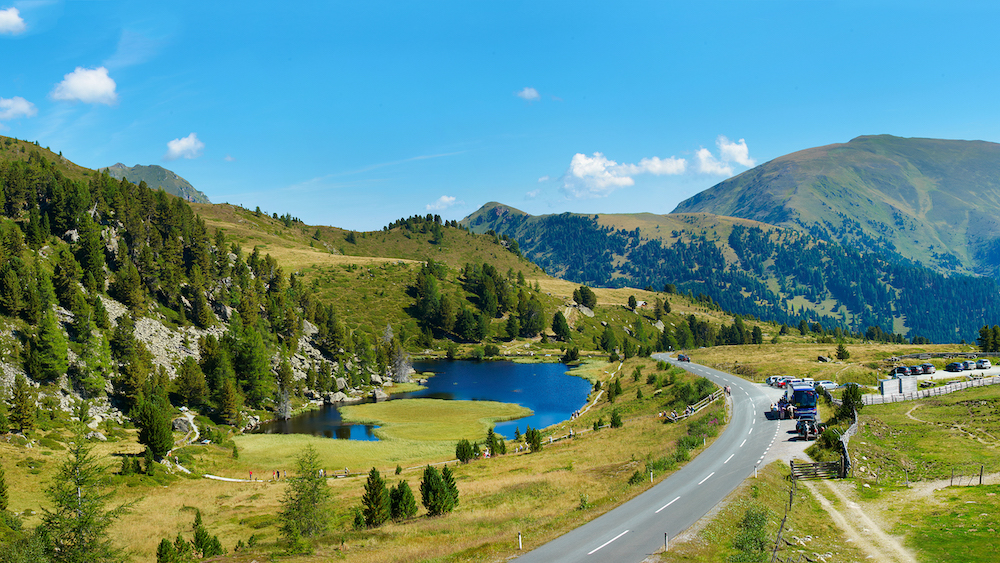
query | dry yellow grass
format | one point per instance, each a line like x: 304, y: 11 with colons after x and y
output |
x: 536, y: 494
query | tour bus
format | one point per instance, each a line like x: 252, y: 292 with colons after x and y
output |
x: 803, y: 398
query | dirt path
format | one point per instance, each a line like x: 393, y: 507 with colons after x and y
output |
x: 858, y: 526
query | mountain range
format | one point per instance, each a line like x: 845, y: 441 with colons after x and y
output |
x: 899, y: 234
x: 157, y: 177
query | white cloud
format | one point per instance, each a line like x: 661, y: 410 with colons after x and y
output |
x: 529, y: 94
x: 533, y: 193
x: 708, y: 164
x: 90, y: 86
x: 229, y: 158
x: 597, y: 176
x: 729, y: 152
x: 187, y: 147
x: 16, y: 107
x: 657, y: 166
x: 443, y: 202
x: 544, y: 179
x: 735, y: 152
x: 11, y: 21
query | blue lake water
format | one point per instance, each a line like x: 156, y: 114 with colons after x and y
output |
x: 547, y: 389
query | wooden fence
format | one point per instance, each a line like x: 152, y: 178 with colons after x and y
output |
x: 873, y: 399
x: 820, y: 470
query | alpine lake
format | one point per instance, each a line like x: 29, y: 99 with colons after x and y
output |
x: 548, y: 389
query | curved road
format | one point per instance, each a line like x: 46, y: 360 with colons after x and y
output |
x: 635, y: 530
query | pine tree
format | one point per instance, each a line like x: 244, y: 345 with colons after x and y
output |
x: 842, y: 353
x: 11, y: 293
x: 560, y: 327
x: 50, y: 348
x: 375, y: 501
x: 402, y: 504
x: 449, y: 481
x: 154, y: 425
x: 101, y: 314
x: 304, y: 506
x: 165, y: 552
x: 22, y: 405
x: 190, y: 383
x: 229, y: 402
x: 78, y: 522
x: 434, y: 493
x: 463, y: 451
x: 4, y: 497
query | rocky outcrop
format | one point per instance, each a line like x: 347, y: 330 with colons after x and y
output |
x: 182, y: 424
x: 379, y: 395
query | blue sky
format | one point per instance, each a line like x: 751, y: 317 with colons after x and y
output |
x: 356, y: 114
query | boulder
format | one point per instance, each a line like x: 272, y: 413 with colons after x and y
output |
x: 659, y: 326
x: 341, y: 384
x: 96, y: 436
x: 376, y: 380
x: 586, y: 311
x: 182, y: 425
x: 823, y: 359
x: 379, y: 395
x: 332, y: 398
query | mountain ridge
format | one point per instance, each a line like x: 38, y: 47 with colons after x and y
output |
x: 157, y: 177
x: 933, y: 201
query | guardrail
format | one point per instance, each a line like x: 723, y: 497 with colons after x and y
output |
x: 874, y: 399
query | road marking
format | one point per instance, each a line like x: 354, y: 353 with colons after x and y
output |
x: 750, y: 431
x: 706, y: 478
x: 607, y: 542
x: 728, y: 458
x: 744, y: 442
x: 666, y: 505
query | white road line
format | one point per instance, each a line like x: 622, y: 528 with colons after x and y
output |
x: 744, y: 442
x: 666, y: 505
x: 728, y: 458
x: 750, y: 431
x: 706, y: 478
x: 607, y: 542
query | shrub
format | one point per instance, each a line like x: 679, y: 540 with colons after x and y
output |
x: 636, y: 478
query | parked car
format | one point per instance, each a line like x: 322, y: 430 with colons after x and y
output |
x: 779, y: 380
x: 683, y: 358
x: 900, y: 370
x: 954, y: 366
x: 928, y: 368
x: 983, y: 364
x: 827, y: 384
x: 968, y: 365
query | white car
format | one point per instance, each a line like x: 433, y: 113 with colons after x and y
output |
x: 983, y: 364
x: 827, y: 384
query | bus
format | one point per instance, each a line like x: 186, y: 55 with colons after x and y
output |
x: 803, y: 398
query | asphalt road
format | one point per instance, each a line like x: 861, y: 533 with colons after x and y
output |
x: 636, y: 529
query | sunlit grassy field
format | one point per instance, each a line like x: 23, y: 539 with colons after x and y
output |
x: 537, y: 494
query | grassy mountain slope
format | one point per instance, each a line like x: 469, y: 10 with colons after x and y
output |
x: 158, y: 177
x: 929, y: 200
x: 747, y: 267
